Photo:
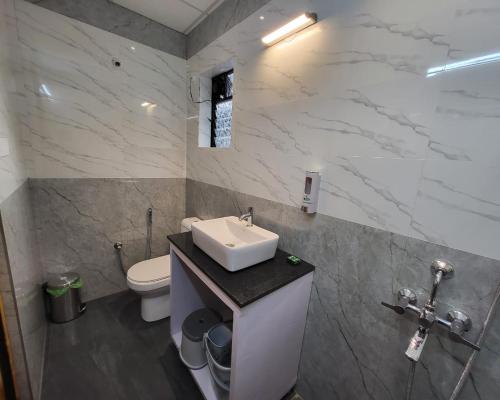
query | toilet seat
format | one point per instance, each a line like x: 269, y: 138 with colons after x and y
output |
x: 150, y: 274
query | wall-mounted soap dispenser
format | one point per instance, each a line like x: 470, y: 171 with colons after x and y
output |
x: 311, y: 192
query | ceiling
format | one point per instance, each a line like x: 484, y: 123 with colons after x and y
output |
x: 181, y: 15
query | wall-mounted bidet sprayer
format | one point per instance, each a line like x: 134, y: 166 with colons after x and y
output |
x: 149, y: 239
x: 457, y: 322
x: 149, y: 233
x: 118, y: 247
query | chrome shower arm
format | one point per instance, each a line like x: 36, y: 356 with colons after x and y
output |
x: 441, y: 269
x: 435, y: 287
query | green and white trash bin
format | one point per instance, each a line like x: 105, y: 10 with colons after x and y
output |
x: 63, y: 297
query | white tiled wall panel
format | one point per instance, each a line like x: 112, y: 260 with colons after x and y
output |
x: 398, y: 150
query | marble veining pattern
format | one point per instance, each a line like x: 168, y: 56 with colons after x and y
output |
x: 12, y: 171
x: 13, y: 328
x: 121, y: 21
x: 223, y: 18
x: 79, y: 220
x: 27, y: 277
x: 19, y: 272
x: 354, y: 347
x: 483, y: 379
x: 90, y: 119
x: 398, y: 150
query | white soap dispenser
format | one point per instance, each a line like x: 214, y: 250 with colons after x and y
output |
x: 311, y: 192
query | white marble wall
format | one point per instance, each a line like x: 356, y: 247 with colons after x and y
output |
x: 12, y: 173
x: 85, y: 117
x: 350, y: 96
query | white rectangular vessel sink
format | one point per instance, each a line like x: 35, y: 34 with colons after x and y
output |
x: 233, y: 244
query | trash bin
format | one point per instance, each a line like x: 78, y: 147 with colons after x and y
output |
x: 194, y: 327
x: 63, y: 297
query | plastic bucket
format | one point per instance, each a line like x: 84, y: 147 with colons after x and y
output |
x: 220, y: 374
x: 219, y: 341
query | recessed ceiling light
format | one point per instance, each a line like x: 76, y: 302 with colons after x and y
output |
x: 294, y: 26
x: 132, y: 48
x: 261, y: 17
x: 146, y: 104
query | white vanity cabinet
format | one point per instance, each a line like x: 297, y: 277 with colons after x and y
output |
x: 268, y: 306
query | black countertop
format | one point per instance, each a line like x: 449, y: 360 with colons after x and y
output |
x: 249, y: 284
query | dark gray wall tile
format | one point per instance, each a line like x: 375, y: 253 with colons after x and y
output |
x: 79, y: 220
x: 27, y: 277
x: 483, y: 381
x: 113, y: 18
x: 223, y: 18
x: 354, y: 347
x: 13, y: 326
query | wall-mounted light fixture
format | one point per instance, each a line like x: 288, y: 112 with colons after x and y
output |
x: 471, y: 62
x: 294, y: 26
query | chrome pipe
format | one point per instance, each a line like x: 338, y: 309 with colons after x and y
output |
x: 468, y: 366
x: 435, y: 286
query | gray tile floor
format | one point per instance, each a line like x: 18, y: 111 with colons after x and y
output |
x: 111, y: 353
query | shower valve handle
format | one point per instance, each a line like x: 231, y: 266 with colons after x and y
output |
x: 398, y: 309
x: 460, y: 339
x: 406, y: 299
x: 459, y: 322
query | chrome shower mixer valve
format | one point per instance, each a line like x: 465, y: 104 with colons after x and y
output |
x: 457, y: 322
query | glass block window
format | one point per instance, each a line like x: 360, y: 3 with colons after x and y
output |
x: 222, y: 109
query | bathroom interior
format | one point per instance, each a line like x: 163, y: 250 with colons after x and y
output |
x: 250, y: 200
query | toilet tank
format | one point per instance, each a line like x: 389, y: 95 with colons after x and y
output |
x: 187, y: 222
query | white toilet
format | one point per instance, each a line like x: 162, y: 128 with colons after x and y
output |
x: 151, y: 280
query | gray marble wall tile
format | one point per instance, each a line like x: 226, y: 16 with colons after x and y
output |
x: 223, y: 18
x: 354, y: 347
x: 20, y: 371
x: 483, y: 380
x: 79, y: 220
x: 116, y: 19
x: 27, y: 277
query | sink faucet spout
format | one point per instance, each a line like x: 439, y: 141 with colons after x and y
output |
x: 248, y: 217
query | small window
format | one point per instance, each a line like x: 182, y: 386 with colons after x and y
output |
x: 222, y: 110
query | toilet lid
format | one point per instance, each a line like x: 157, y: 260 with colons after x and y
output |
x: 152, y: 270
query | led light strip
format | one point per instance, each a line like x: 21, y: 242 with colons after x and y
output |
x: 294, y: 26
x: 464, y: 64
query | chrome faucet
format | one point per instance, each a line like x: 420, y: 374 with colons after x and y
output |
x: 456, y: 321
x: 248, y: 216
